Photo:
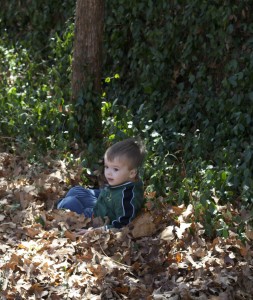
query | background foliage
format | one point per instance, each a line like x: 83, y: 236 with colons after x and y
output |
x: 184, y: 85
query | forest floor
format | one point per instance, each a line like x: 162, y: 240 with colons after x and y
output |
x: 163, y: 254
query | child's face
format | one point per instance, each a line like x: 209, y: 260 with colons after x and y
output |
x: 117, y: 171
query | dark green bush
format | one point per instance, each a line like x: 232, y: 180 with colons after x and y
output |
x: 196, y: 57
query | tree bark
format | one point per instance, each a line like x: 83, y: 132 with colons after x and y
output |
x: 87, y: 68
x: 88, y: 39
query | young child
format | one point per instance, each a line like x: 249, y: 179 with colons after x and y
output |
x: 123, y: 197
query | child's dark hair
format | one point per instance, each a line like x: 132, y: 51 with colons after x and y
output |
x: 132, y: 149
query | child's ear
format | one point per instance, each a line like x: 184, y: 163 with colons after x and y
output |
x: 133, y: 173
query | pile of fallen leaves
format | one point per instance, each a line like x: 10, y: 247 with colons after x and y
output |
x: 163, y: 254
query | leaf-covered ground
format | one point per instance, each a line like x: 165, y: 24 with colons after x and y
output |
x: 163, y: 254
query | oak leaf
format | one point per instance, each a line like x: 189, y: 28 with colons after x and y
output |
x: 168, y: 233
x: 142, y: 226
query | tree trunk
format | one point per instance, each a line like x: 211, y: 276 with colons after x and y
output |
x: 87, y: 64
x: 87, y: 57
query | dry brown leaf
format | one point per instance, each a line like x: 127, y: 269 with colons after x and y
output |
x: 2, y: 217
x: 3, y: 186
x: 122, y: 289
x: 13, y: 262
x: 244, y: 250
x: 70, y: 219
x: 97, y: 222
x: 57, y: 176
x: 70, y: 235
x: 168, y: 233
x: 188, y: 212
x: 145, y: 259
x: 142, y: 226
x: 7, y: 226
x: 181, y: 230
x: 178, y: 209
x: 31, y: 231
x: 249, y: 232
x: 98, y: 271
x: 22, y: 284
x: 25, y: 195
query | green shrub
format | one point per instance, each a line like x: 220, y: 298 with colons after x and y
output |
x: 196, y: 57
x: 34, y: 96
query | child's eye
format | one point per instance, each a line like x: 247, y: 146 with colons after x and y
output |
x: 116, y: 169
x: 106, y: 167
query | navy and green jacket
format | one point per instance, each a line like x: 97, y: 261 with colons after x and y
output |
x: 120, y: 203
